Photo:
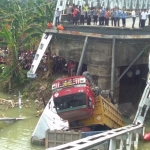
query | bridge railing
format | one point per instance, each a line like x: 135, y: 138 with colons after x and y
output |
x: 125, y: 137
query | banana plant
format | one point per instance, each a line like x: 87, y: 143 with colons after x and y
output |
x: 21, y: 28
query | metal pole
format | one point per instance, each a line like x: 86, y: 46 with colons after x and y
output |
x: 112, y: 72
x: 82, y: 56
x: 113, y: 65
x: 131, y: 64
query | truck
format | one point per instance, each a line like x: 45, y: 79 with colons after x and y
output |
x: 79, y: 101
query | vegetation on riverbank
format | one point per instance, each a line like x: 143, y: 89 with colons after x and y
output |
x: 22, y: 25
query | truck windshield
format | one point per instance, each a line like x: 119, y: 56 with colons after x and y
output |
x: 70, y: 102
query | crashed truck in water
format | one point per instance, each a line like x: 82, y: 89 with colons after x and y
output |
x: 76, y: 104
x: 79, y: 101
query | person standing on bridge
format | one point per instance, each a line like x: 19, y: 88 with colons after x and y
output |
x: 89, y: 16
x: 143, y: 18
x: 107, y: 15
x: 86, y: 8
x: 149, y: 16
x: 124, y: 18
x: 133, y: 14
x: 103, y: 16
x: 112, y: 17
x: 100, y: 16
x: 69, y: 12
x: 82, y: 17
x: 117, y: 17
x: 95, y: 15
x: 140, y: 18
x: 57, y: 15
x: 75, y: 15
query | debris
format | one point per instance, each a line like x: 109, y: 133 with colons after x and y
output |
x: 36, y: 101
x: 17, y: 103
x: 43, y: 87
x: 3, y: 115
x: 126, y: 109
x: 9, y: 103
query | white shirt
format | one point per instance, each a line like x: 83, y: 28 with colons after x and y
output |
x: 129, y: 74
x: 133, y: 14
x: 143, y: 15
x: 57, y: 13
x: 137, y: 72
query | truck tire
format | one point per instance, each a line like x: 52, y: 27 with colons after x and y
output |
x: 88, y: 77
x: 96, y: 91
x: 112, y: 99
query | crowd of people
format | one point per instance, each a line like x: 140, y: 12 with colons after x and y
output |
x: 133, y: 76
x: 102, y: 16
x: 3, y: 55
x: 59, y: 64
x: 65, y: 66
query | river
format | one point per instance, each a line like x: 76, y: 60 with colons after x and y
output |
x: 17, y: 135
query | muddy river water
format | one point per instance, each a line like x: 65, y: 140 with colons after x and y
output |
x: 17, y: 135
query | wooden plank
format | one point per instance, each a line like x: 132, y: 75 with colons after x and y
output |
x: 10, y: 119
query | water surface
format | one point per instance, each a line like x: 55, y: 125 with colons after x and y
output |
x: 17, y: 135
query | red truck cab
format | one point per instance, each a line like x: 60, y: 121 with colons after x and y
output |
x: 73, y: 98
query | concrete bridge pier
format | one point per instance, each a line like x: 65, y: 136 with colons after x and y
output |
x: 102, y: 77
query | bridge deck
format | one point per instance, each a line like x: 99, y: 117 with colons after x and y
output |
x: 95, y: 33
x: 106, y: 30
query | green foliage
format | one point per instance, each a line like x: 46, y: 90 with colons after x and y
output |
x: 40, y: 1
x: 21, y: 27
x: 21, y: 78
x: 4, y: 72
x: 25, y: 93
x: 4, y: 76
x: 18, y: 79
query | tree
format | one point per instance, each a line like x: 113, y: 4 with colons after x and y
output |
x: 20, y: 28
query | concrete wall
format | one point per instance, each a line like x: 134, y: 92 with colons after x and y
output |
x: 126, y: 51
x: 99, y: 51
